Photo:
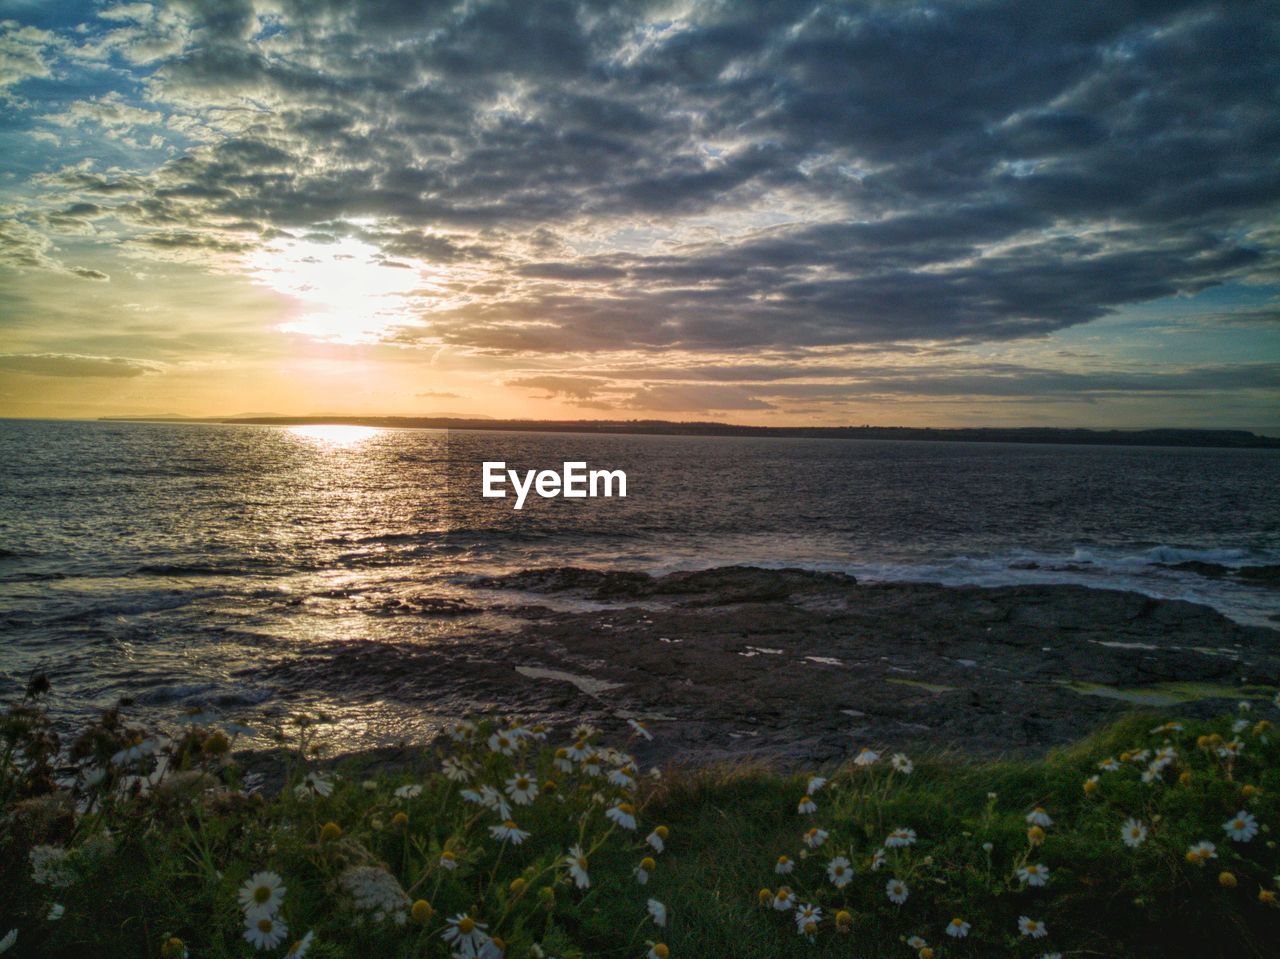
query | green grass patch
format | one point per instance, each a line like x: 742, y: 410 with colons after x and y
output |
x: 123, y: 842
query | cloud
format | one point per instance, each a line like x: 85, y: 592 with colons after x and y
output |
x: 70, y: 364
x: 717, y: 178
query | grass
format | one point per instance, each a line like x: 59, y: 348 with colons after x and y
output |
x: 143, y: 844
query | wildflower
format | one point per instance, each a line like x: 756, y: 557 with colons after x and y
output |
x: 957, y: 928
x: 1266, y: 897
x: 331, y: 832
x: 808, y: 915
x: 1109, y: 765
x: 1034, y: 874
x: 1201, y: 852
x: 517, y: 885
x: 1227, y: 879
x: 173, y: 948
x: 840, y: 872
x: 658, y: 911
x: 620, y: 777
x: 411, y: 791
x: 456, y: 770
x: 508, y: 831
x: 490, y: 798
x: 134, y: 752
x: 866, y: 757
x: 844, y: 921
x: 897, y: 891
x: 916, y: 942
x: 374, y: 890
x: 1231, y: 749
x: 464, y: 934
x: 262, y: 894
x: 522, y: 788
x: 902, y: 764
x: 461, y: 731
x: 313, y: 784
x: 877, y: 860
x: 815, y: 837
x: 503, y: 743
x: 1032, y: 928
x: 301, y: 947
x: 815, y: 783
x: 448, y: 861
x: 264, y: 932
x: 1248, y: 791
x: 579, y: 751
x: 657, y: 839
x: 400, y: 820
x: 784, y: 866
x: 1035, y: 835
x: 900, y: 837
x: 1091, y: 785
x: 55, y: 912
x: 624, y: 814
x: 51, y: 866
x: 784, y: 899
x: 421, y: 912
x: 658, y: 951
x: 1038, y: 817
x: 641, y: 730
x: 1241, y: 827
x: 806, y: 806
x: 1133, y: 833
x: 577, y: 863
x: 647, y: 865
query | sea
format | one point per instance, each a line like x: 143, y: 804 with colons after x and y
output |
x: 166, y: 564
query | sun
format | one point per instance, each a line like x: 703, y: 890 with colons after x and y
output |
x: 346, y: 291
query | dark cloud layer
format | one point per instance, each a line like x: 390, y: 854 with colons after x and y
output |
x: 69, y: 364
x: 726, y: 176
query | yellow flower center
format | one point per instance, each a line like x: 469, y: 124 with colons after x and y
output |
x: 509, y: 824
x: 261, y: 894
x: 265, y: 926
x: 466, y: 925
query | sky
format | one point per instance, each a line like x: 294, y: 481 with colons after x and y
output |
x: 1012, y: 213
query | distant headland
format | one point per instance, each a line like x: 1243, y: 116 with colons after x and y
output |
x: 1219, y: 438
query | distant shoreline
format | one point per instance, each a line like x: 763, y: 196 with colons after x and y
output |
x: 1199, y: 438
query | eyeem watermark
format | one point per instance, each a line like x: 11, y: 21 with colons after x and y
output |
x: 575, y: 481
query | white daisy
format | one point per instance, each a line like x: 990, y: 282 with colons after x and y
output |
x: 624, y: 814
x: 313, y: 784
x: 1032, y: 927
x: 55, y: 912
x: 658, y: 911
x: 815, y: 837
x: 522, y: 788
x: 784, y: 899
x: 448, y: 861
x: 464, y: 934
x: 456, y: 770
x: 655, y: 840
x: 301, y: 947
x: 461, y: 731
x: 808, y: 914
x: 620, y: 777
x: 264, y: 932
x: 784, y: 866
x: 917, y: 942
x: 641, y: 730
x: 957, y: 928
x: 1241, y: 827
x: 897, y: 891
x: 866, y: 757
x: 504, y: 743
x: 1201, y: 852
x: 806, y: 806
x: 877, y: 860
x: 902, y: 764
x: 900, y: 837
x: 1133, y: 833
x: 840, y: 872
x: 1109, y: 765
x: 577, y: 863
x: 1034, y: 874
x: 411, y: 791
x: 1038, y: 817
x: 579, y: 751
x: 508, y: 831
x: 815, y: 783
x: 262, y: 894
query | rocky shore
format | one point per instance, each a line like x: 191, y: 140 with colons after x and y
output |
x: 800, y: 667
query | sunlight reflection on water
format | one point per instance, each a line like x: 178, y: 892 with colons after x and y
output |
x: 335, y: 435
